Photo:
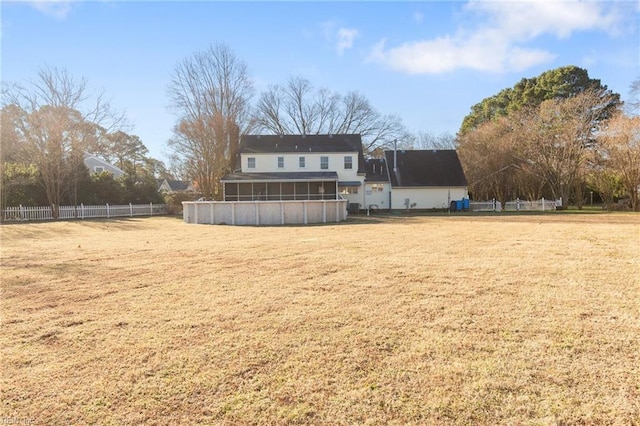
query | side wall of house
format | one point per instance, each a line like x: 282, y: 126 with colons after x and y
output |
x: 426, y: 197
x: 374, y: 196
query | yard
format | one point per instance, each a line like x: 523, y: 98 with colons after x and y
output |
x: 496, y: 319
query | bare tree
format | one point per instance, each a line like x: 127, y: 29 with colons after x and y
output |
x: 60, y: 119
x: 428, y: 140
x: 633, y: 104
x: 489, y: 157
x: 297, y: 108
x: 620, y: 148
x: 211, y: 93
x: 559, y: 140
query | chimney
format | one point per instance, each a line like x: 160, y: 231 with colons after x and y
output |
x: 395, y: 156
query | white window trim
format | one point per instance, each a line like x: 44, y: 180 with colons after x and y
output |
x: 350, y: 162
x: 322, y: 160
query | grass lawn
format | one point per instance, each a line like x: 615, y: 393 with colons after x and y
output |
x: 461, y: 319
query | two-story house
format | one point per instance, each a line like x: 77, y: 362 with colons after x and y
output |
x: 298, y: 167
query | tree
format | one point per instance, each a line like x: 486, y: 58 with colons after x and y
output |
x: 58, y: 120
x: 633, y: 104
x: 427, y: 140
x: 489, y: 157
x: 298, y: 108
x: 620, y: 150
x: 559, y: 140
x: 210, y: 93
x: 530, y: 93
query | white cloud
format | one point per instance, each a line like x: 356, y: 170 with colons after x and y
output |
x: 58, y: 9
x: 342, y: 37
x: 346, y: 37
x: 498, y: 43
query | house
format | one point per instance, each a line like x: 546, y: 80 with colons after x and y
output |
x: 425, y: 179
x: 170, y: 186
x: 97, y: 165
x: 301, y: 179
x: 298, y: 167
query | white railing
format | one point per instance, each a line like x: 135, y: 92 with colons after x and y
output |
x: 20, y: 213
x: 516, y: 205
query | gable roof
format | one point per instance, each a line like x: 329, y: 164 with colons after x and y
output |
x: 174, y: 185
x: 303, y: 144
x: 426, y: 168
x: 91, y: 161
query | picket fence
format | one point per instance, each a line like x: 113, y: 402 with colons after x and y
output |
x: 516, y: 205
x: 21, y: 214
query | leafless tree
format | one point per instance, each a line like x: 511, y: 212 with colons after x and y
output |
x: 620, y: 150
x: 559, y: 141
x: 59, y: 120
x: 210, y: 93
x: 297, y: 108
x: 633, y: 104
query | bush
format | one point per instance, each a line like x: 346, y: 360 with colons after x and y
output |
x: 174, y: 200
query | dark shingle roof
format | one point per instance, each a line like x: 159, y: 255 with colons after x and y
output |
x: 178, y: 185
x: 426, y: 168
x: 376, y: 170
x: 290, y: 176
x: 303, y: 143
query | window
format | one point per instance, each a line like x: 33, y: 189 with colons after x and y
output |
x: 251, y: 162
x: 348, y: 190
x: 324, y: 163
x: 281, y: 162
x: 98, y: 169
x: 301, y: 163
x: 377, y: 187
x: 348, y: 162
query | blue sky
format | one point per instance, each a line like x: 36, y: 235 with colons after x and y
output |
x: 427, y: 62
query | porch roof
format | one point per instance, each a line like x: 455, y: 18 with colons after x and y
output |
x: 281, y: 177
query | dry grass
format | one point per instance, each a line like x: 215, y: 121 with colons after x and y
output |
x: 422, y: 320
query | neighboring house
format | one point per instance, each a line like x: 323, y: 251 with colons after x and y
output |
x: 428, y: 179
x: 170, y: 186
x: 97, y: 165
x: 298, y: 167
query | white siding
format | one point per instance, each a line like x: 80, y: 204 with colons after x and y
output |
x: 379, y: 198
x: 268, y: 163
x: 426, y: 197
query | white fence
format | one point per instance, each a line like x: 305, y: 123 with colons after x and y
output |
x: 516, y: 205
x: 20, y: 214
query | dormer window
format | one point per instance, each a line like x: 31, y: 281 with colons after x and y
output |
x: 251, y: 162
x: 281, y: 162
x: 301, y: 162
x: 98, y: 169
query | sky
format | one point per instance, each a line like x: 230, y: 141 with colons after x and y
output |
x: 427, y: 62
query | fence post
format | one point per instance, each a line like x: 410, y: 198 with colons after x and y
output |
x: 151, y: 207
x: 493, y: 204
x: 21, y: 213
x: 82, y: 210
x: 130, y: 210
x: 542, y: 203
x: 518, y: 204
x: 107, y: 210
